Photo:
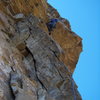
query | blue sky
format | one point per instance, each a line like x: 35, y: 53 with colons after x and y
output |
x: 84, y: 16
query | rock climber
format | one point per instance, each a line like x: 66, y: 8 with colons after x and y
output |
x: 52, y: 24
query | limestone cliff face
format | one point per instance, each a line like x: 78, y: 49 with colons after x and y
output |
x: 36, y: 64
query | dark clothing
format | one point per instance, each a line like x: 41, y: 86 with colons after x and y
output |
x: 52, y: 24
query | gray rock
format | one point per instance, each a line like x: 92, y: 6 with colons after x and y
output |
x: 19, y: 16
x: 30, y: 66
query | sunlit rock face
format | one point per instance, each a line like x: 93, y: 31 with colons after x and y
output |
x: 36, y: 60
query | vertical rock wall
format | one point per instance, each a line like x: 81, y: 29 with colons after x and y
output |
x: 36, y: 64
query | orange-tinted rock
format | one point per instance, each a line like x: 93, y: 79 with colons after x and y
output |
x: 69, y: 42
x: 36, y: 64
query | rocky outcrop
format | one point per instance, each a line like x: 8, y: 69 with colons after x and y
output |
x: 35, y: 63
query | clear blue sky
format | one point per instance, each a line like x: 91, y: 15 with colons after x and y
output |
x: 84, y: 16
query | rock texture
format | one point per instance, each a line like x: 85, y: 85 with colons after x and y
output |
x: 36, y: 64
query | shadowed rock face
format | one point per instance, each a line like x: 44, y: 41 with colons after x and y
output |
x: 36, y: 64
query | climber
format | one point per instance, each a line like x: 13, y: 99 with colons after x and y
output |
x: 52, y: 24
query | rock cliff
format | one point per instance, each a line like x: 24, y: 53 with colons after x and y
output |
x: 36, y: 63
